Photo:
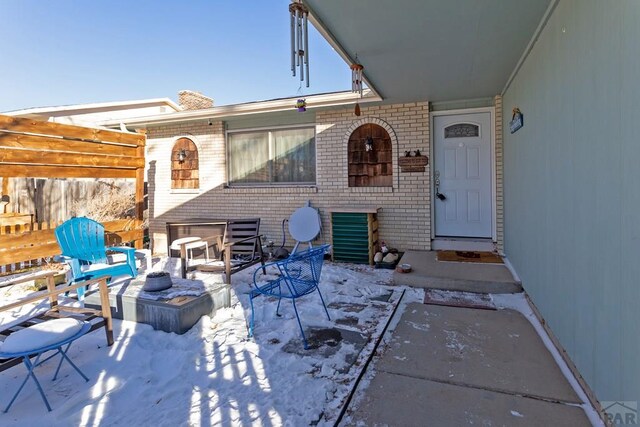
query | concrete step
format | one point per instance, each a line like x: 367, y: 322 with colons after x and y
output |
x: 427, y: 272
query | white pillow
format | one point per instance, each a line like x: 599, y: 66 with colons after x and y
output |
x: 41, y: 335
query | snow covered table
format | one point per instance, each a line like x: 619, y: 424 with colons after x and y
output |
x: 175, y: 309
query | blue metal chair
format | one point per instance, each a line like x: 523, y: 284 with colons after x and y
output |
x: 299, y: 276
x: 83, y: 249
x: 43, y: 332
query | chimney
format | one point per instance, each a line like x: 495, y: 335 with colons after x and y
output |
x: 191, y: 100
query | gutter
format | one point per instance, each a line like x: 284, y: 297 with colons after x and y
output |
x: 285, y: 104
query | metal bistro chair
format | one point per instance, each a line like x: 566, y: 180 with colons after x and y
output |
x: 299, y: 276
x: 36, y: 340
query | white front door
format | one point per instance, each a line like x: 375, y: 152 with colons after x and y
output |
x: 462, y: 175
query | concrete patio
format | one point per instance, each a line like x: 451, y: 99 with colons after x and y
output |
x: 427, y: 272
x: 447, y: 366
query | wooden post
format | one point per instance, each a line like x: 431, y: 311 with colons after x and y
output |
x: 183, y: 260
x: 106, y: 310
x: 51, y: 287
x: 227, y: 263
x: 5, y: 192
x: 140, y: 193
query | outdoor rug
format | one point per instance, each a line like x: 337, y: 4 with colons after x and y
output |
x: 469, y: 256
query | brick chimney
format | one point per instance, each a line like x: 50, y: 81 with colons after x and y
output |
x: 191, y: 100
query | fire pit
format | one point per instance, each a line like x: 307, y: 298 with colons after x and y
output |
x: 157, y: 281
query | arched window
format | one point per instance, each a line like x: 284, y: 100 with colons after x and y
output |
x: 184, y: 164
x: 370, y: 157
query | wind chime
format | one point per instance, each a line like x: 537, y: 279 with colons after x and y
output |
x: 299, y: 40
x: 356, y: 81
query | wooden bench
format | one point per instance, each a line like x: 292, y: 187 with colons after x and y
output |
x: 97, y: 318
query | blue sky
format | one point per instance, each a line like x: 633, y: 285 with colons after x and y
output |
x: 71, y: 51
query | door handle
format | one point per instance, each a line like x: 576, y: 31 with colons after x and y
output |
x: 439, y: 195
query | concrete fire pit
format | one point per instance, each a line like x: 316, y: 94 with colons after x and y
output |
x: 174, y: 309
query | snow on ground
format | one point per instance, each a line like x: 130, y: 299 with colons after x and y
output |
x: 214, y: 374
x: 9, y: 294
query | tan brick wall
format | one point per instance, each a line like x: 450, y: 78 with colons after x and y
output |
x: 499, y: 176
x: 405, y: 208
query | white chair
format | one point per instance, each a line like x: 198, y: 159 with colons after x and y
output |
x: 190, y: 243
x: 304, y: 225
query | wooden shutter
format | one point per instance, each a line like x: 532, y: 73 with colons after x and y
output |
x: 185, y: 174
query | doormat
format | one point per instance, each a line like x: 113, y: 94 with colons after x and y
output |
x: 458, y: 299
x: 470, y: 256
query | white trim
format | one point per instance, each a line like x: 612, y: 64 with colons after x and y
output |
x: 269, y: 129
x: 97, y: 105
x: 529, y: 48
x: 511, y: 268
x: 462, y: 111
x: 279, y: 127
x: 333, y: 99
x: 185, y: 191
x: 494, y: 189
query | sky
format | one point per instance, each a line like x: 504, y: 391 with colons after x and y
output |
x: 72, y: 52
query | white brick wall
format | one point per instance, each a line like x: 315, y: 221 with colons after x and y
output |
x: 404, y: 217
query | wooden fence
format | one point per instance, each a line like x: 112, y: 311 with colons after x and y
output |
x: 26, y: 245
x: 53, y: 199
x: 35, y: 149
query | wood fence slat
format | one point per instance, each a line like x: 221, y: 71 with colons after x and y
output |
x: 11, y: 155
x: 16, y: 247
x: 47, y: 234
x: 18, y: 140
x: 64, y: 172
x: 19, y: 124
x: 19, y: 254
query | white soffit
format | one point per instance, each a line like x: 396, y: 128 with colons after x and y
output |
x: 436, y: 50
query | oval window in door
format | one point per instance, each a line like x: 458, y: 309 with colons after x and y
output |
x: 462, y: 130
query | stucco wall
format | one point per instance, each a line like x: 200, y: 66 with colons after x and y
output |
x: 404, y: 217
x: 572, y: 223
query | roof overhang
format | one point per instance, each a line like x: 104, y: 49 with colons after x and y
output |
x: 93, y: 107
x: 436, y: 50
x: 276, y: 105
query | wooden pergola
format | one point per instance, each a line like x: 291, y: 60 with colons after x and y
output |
x: 35, y: 149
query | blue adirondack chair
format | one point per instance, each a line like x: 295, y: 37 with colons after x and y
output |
x: 83, y: 249
x: 299, y: 276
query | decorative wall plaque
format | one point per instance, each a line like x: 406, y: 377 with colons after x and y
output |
x: 413, y: 164
x: 517, y: 120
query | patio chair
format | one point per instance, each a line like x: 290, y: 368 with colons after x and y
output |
x: 304, y: 225
x: 238, y: 248
x: 38, y: 339
x: 299, y: 276
x: 83, y: 249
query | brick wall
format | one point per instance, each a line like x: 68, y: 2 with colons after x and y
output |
x: 190, y: 100
x: 405, y: 208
